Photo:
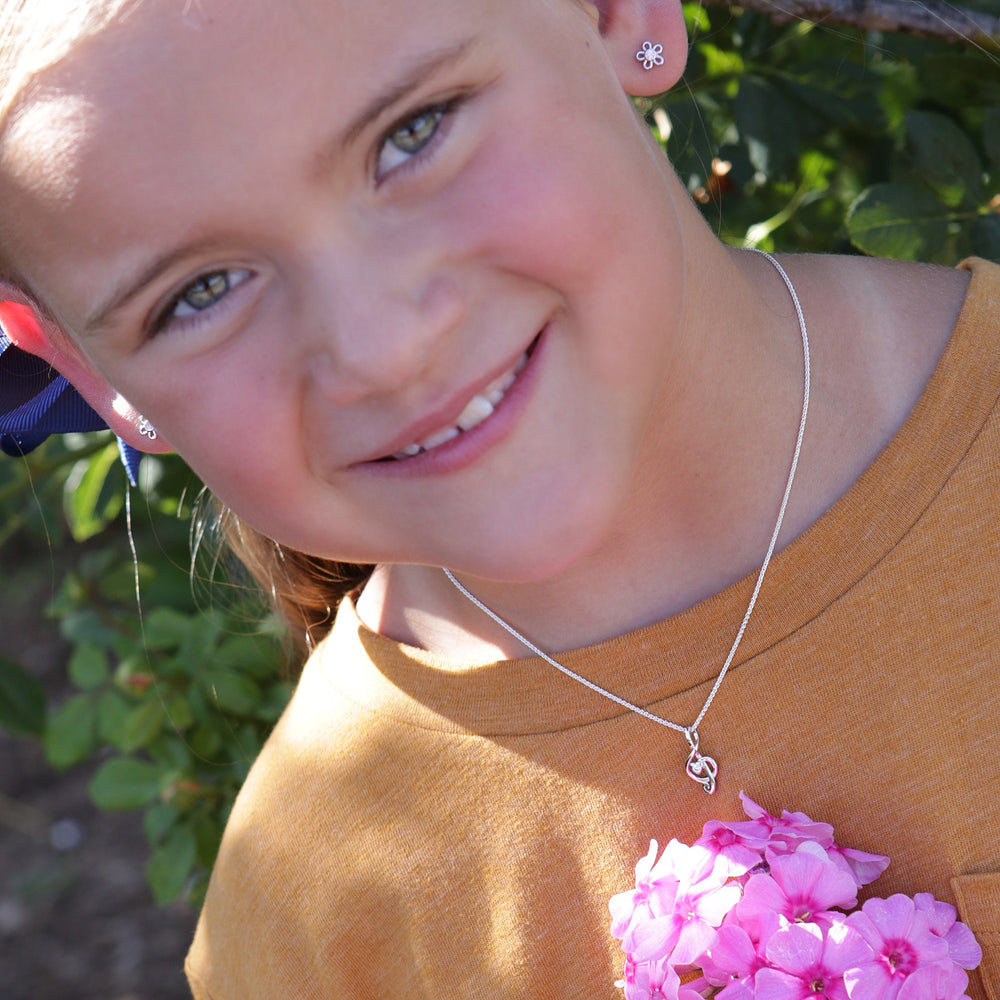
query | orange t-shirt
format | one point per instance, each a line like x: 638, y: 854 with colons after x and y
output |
x: 422, y: 828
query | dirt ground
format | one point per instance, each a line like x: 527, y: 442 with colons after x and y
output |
x: 77, y: 921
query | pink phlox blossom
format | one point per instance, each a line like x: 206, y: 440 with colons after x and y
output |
x: 734, y: 958
x: 688, y: 897
x: 646, y: 896
x: 801, y: 887
x: 939, y: 981
x: 754, y: 910
x: 720, y: 839
x: 655, y: 981
x: 963, y: 949
x: 901, y: 940
x: 864, y: 867
x: 808, y: 961
x: 787, y: 831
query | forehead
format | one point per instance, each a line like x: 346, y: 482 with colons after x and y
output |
x: 168, y: 94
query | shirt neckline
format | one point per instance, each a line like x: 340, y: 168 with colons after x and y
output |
x: 668, y: 667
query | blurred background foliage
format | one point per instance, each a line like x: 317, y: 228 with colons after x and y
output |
x: 791, y: 137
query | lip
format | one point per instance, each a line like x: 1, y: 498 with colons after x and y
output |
x: 469, y: 445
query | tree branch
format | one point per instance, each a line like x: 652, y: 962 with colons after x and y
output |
x: 931, y: 18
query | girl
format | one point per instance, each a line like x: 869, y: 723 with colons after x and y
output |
x: 409, y: 286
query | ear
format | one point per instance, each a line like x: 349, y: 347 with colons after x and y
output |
x: 626, y: 25
x: 35, y: 334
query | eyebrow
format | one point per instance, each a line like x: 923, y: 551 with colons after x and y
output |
x: 135, y: 283
x: 411, y: 78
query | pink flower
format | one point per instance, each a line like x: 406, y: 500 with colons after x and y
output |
x: 654, y: 981
x: 735, y: 958
x: 723, y: 842
x: 864, y: 867
x: 682, y: 899
x: 801, y: 887
x: 623, y: 905
x: 940, y: 981
x: 901, y: 941
x: 753, y: 910
x: 809, y: 961
x: 780, y: 835
x: 963, y: 949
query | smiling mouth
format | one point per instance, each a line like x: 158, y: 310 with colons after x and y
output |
x: 478, y: 409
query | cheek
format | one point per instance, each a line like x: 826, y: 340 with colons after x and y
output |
x: 587, y: 216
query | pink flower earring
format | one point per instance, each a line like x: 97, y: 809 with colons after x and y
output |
x: 650, y: 55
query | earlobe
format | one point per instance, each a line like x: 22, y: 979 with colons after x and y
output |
x: 21, y: 323
x: 647, y: 42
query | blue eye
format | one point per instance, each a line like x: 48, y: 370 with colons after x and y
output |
x: 409, y: 138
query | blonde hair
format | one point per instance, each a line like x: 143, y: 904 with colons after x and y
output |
x: 37, y: 34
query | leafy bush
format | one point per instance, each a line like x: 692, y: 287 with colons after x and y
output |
x: 175, y: 695
x: 794, y: 137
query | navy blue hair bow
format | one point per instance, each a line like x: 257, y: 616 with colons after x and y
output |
x: 36, y: 401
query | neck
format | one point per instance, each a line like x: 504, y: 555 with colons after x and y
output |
x: 716, y: 455
x: 688, y: 528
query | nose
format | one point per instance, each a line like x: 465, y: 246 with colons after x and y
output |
x: 381, y: 319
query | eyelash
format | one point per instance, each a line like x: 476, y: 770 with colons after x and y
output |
x: 441, y: 111
x: 168, y: 318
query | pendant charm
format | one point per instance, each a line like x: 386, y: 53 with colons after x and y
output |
x: 700, y: 767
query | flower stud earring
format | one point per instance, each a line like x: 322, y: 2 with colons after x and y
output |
x: 146, y: 429
x: 650, y: 55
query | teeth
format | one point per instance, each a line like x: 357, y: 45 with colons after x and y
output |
x: 440, y: 438
x: 495, y: 391
x: 476, y: 411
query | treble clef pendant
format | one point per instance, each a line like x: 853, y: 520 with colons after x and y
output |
x: 700, y: 767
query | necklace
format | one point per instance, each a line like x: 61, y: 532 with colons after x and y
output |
x: 699, y: 767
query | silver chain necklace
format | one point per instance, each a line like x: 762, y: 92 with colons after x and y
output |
x: 699, y: 767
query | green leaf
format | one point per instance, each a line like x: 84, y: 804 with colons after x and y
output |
x: 944, y: 156
x: 126, y: 783
x: 86, y: 626
x: 90, y: 502
x: 179, y: 714
x: 233, y: 693
x: 769, y: 125
x: 118, y: 583
x: 88, y: 666
x: 169, y: 869
x: 720, y: 62
x: 695, y: 18
x: 112, y: 716
x: 22, y: 700
x: 844, y: 92
x: 255, y: 655
x: 896, y: 220
x: 986, y: 237
x: 165, y: 628
x: 71, y: 732
x: 206, y: 743
x: 208, y: 835
x: 158, y: 819
x: 143, y: 724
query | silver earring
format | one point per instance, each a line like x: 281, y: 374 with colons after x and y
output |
x: 146, y: 429
x: 650, y: 55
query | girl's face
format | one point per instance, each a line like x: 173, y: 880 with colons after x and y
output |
x: 305, y: 238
